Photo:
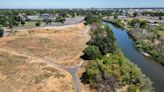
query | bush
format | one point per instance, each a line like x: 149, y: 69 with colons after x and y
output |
x: 143, y: 24
x: 60, y: 19
x: 91, y: 53
x: 38, y: 23
x: 135, y: 23
x: 23, y: 22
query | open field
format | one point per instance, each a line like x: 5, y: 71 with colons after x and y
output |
x: 28, y: 23
x: 19, y: 73
x: 57, y: 44
x: 25, y: 57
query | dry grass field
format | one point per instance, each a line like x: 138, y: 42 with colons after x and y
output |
x: 23, y: 74
x: 23, y: 58
x: 62, y: 45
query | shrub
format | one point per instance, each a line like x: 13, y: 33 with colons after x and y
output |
x: 38, y: 23
x: 91, y: 53
x: 22, y: 22
x: 60, y: 19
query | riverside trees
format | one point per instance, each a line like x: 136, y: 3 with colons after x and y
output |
x: 103, y: 38
x: 145, y: 39
x: 112, y: 70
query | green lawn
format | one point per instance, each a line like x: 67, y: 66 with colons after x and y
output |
x: 30, y: 23
x: 161, y: 33
x: 161, y: 24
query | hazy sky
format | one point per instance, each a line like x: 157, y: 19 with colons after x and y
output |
x: 79, y: 3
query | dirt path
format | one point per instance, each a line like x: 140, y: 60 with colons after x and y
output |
x: 70, y: 69
x: 73, y: 69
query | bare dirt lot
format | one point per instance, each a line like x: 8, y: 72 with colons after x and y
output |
x: 23, y: 58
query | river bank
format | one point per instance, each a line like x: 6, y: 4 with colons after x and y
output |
x: 147, y: 42
x: 109, y: 68
x: 151, y: 69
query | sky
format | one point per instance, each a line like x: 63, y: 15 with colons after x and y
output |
x: 80, y: 3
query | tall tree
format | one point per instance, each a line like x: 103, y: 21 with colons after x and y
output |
x: 115, y: 16
x: 1, y: 32
x: 10, y: 24
x: 143, y: 24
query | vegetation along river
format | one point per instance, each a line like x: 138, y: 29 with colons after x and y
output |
x: 151, y: 69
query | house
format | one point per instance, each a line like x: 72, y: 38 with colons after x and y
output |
x: 122, y: 17
x: 46, y: 16
x: 23, y: 17
x: 33, y: 17
x: 111, y: 17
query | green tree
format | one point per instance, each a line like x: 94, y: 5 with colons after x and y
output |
x: 135, y: 14
x: 115, y: 16
x: 1, y: 32
x: 23, y: 22
x: 60, y: 19
x: 49, y: 21
x: 160, y: 18
x: 38, y: 23
x: 91, y: 19
x: 15, y: 23
x: 104, y: 39
x: 135, y: 22
x: 10, y: 24
x: 91, y: 53
x: 143, y: 24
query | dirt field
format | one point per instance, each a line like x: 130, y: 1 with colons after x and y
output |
x: 23, y: 58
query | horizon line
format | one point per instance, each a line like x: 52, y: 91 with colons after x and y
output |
x: 95, y: 8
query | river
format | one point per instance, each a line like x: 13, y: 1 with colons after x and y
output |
x: 151, y: 69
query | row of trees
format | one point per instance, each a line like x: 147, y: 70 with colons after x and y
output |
x: 14, y: 21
